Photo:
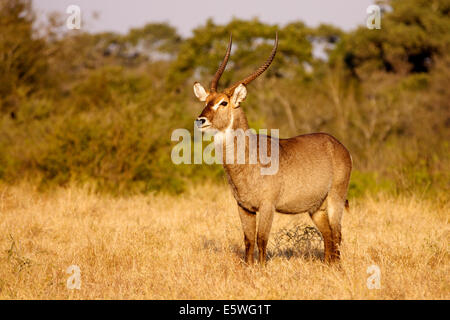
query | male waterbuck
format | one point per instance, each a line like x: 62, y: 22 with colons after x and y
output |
x: 313, y: 170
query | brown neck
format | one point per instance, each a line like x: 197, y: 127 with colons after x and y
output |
x: 233, y: 169
x: 239, y: 119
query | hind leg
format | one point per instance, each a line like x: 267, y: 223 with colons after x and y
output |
x: 335, y: 210
x: 320, y: 219
x: 336, y: 200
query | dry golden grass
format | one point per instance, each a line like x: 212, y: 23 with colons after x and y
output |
x: 191, y: 247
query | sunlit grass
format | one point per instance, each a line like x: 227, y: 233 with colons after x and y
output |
x: 191, y: 247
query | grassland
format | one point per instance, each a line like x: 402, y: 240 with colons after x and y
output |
x: 191, y: 247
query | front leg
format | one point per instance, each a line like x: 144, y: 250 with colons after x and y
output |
x: 248, y: 220
x: 265, y: 218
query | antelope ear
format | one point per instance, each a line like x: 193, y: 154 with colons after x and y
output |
x: 239, y: 95
x: 200, y: 92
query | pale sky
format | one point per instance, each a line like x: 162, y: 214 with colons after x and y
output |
x: 185, y: 15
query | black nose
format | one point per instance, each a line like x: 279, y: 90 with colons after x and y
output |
x: 200, y: 122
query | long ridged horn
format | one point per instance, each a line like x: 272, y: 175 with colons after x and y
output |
x: 259, y: 71
x: 222, y: 66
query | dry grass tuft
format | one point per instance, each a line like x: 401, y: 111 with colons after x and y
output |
x: 191, y: 247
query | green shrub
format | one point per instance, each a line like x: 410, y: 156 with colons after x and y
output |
x: 368, y: 182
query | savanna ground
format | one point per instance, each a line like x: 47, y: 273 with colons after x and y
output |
x: 191, y: 247
x: 86, y: 176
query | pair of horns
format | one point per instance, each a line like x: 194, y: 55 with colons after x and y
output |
x: 247, y: 80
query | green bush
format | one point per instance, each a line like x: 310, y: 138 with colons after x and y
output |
x: 99, y: 109
x: 368, y: 182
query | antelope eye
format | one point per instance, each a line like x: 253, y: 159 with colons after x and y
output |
x: 224, y: 103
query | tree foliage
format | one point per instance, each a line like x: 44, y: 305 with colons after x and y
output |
x: 99, y: 108
x: 413, y: 34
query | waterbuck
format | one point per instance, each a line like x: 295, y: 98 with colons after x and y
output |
x: 313, y: 173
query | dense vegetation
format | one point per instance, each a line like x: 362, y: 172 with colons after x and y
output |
x: 99, y: 109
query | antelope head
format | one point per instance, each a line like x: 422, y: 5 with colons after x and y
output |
x: 220, y: 107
